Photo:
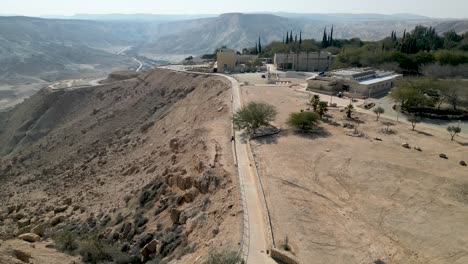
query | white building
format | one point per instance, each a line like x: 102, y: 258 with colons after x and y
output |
x: 364, y: 81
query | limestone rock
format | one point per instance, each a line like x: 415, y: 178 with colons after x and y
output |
x: 11, y: 209
x: 152, y: 247
x: 19, y: 216
x: 405, y: 145
x: 30, y: 237
x: 463, y: 163
x: 67, y: 201
x: 417, y: 148
x: 38, y: 230
x: 23, y: 222
x: 190, y: 195
x: 182, y: 218
x: 443, y: 156
x: 21, y: 255
x: 175, y: 214
x: 57, y: 220
x: 60, y: 209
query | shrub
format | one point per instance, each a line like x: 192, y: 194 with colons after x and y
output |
x: 93, y: 251
x: 285, y: 245
x: 66, y: 241
x: 305, y: 121
x: 224, y: 257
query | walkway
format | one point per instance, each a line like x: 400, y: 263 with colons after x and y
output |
x: 256, y: 216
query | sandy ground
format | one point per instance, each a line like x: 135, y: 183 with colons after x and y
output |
x: 341, y: 199
x: 41, y: 253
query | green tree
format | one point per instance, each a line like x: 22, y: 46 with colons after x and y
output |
x: 414, y: 119
x: 349, y: 110
x: 412, y: 93
x: 378, y: 111
x: 322, y: 108
x: 304, y: 121
x: 259, y: 46
x: 325, y: 38
x: 453, y: 130
x: 254, y: 115
x: 315, y: 100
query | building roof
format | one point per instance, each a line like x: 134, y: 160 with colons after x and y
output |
x: 379, y: 79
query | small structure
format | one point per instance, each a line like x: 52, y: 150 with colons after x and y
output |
x: 304, y: 61
x: 229, y: 60
x: 364, y: 82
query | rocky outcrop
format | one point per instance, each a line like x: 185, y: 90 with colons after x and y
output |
x: 152, y: 248
x: 30, y: 237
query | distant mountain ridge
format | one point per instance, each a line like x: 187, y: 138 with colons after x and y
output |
x: 237, y: 30
x: 31, y: 45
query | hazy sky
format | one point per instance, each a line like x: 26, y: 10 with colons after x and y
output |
x: 433, y: 8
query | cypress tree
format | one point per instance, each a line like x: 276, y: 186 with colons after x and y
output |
x: 300, y: 38
x: 331, y: 37
x: 291, y: 37
x: 287, y: 37
x: 404, y: 34
x: 259, y: 45
x: 324, y: 39
x: 295, y: 39
x: 256, y: 48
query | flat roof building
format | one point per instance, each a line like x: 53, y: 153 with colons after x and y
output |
x: 229, y: 60
x: 304, y: 61
x: 363, y: 81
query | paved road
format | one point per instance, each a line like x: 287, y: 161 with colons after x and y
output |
x: 140, y: 64
x: 122, y: 52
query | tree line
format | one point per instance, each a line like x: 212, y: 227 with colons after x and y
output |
x: 413, y: 52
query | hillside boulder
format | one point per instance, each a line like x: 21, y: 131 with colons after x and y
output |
x: 30, y: 237
x: 38, y: 230
x: 22, y: 255
x: 175, y: 214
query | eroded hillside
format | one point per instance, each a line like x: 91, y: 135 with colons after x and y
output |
x: 131, y: 162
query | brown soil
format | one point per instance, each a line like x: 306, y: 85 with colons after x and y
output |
x: 342, y: 199
x: 123, y: 157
